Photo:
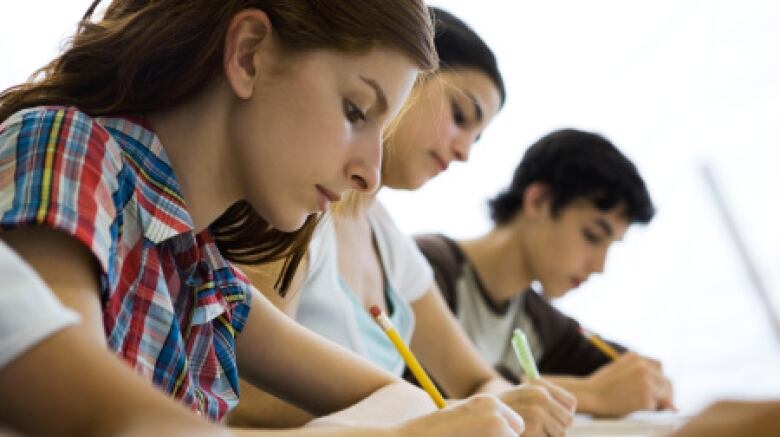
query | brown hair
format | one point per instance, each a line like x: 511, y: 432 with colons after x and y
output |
x: 134, y: 60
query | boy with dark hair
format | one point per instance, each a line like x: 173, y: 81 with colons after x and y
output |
x: 571, y: 197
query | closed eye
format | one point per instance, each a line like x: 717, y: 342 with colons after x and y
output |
x: 457, y: 114
x: 591, y: 236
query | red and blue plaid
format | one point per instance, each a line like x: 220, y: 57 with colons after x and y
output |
x: 172, y: 305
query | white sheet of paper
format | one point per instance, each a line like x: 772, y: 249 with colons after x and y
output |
x: 642, y: 424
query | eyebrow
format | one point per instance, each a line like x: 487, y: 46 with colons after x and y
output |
x: 478, y: 115
x: 381, y: 99
x: 605, y: 226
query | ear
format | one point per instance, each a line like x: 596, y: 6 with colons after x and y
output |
x: 247, y: 46
x: 537, y: 201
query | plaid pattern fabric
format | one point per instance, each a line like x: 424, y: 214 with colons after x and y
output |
x: 171, y: 304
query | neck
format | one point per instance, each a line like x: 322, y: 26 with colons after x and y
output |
x: 194, y: 136
x: 498, y: 259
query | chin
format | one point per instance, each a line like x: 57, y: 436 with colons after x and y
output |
x: 417, y: 182
x: 287, y: 222
x: 407, y: 185
x: 554, y: 292
x: 292, y: 225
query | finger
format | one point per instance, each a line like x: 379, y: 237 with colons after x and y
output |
x: 654, y: 363
x: 553, y: 428
x: 550, y: 406
x: 558, y: 414
x: 513, y: 420
x: 563, y: 397
x: 666, y: 396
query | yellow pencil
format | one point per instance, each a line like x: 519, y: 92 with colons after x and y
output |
x: 602, y: 345
x: 409, y: 358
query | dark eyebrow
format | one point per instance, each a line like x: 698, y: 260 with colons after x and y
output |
x: 477, y: 109
x: 381, y: 100
x: 605, y: 226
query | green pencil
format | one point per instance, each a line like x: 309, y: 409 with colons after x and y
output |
x: 524, y: 355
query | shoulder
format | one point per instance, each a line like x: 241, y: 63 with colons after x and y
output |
x: 447, y: 262
x: 406, y: 268
x: 443, y: 254
x: 52, y: 126
x: 390, y: 238
x: 439, y: 249
x: 62, y: 168
x: 57, y: 138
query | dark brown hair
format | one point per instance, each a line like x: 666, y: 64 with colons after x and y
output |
x: 152, y: 55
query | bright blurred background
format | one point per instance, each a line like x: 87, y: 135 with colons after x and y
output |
x: 675, y: 84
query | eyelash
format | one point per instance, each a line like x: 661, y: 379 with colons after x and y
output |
x: 352, y: 113
x: 590, y: 237
x: 457, y: 114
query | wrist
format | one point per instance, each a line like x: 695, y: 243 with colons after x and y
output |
x: 589, y: 397
x: 494, y: 386
x: 584, y: 389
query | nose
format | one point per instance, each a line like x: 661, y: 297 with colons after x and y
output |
x: 461, y: 146
x: 363, y: 169
x: 598, y: 262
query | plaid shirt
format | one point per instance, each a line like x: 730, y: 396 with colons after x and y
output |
x: 171, y: 304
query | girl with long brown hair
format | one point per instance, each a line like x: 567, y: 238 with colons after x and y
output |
x: 359, y: 257
x: 172, y: 138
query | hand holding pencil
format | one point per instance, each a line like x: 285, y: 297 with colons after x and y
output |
x: 478, y: 415
x: 628, y: 383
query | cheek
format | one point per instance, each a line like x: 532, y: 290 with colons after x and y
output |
x: 427, y: 125
x: 445, y: 131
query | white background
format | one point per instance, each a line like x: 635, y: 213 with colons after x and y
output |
x: 674, y: 84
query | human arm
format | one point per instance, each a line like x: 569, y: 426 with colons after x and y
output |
x: 630, y: 383
x: 276, y: 354
x: 370, y: 398
x: 70, y: 384
x: 735, y: 419
x: 439, y: 341
x: 603, y: 387
x: 50, y: 390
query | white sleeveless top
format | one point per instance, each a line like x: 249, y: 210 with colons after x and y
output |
x: 328, y: 307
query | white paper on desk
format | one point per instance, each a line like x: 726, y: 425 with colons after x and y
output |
x: 644, y: 424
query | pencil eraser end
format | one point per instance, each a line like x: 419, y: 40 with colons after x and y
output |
x: 375, y: 311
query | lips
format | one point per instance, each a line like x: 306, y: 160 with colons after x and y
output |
x: 326, y: 197
x: 576, y: 282
x: 440, y: 161
x: 330, y: 195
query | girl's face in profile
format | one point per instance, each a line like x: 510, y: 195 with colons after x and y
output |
x: 313, y: 130
x: 442, y: 122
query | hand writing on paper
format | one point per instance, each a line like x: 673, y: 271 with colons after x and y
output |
x: 546, y: 408
x: 481, y: 415
x: 629, y: 384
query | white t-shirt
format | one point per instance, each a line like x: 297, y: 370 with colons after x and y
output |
x: 328, y: 307
x: 29, y: 312
x: 490, y: 332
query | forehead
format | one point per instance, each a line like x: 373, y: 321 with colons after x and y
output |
x: 474, y: 83
x: 393, y: 72
x: 584, y: 211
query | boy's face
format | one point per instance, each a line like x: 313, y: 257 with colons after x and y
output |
x: 566, y: 249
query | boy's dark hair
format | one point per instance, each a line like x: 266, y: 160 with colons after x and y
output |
x: 459, y: 46
x: 574, y: 165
